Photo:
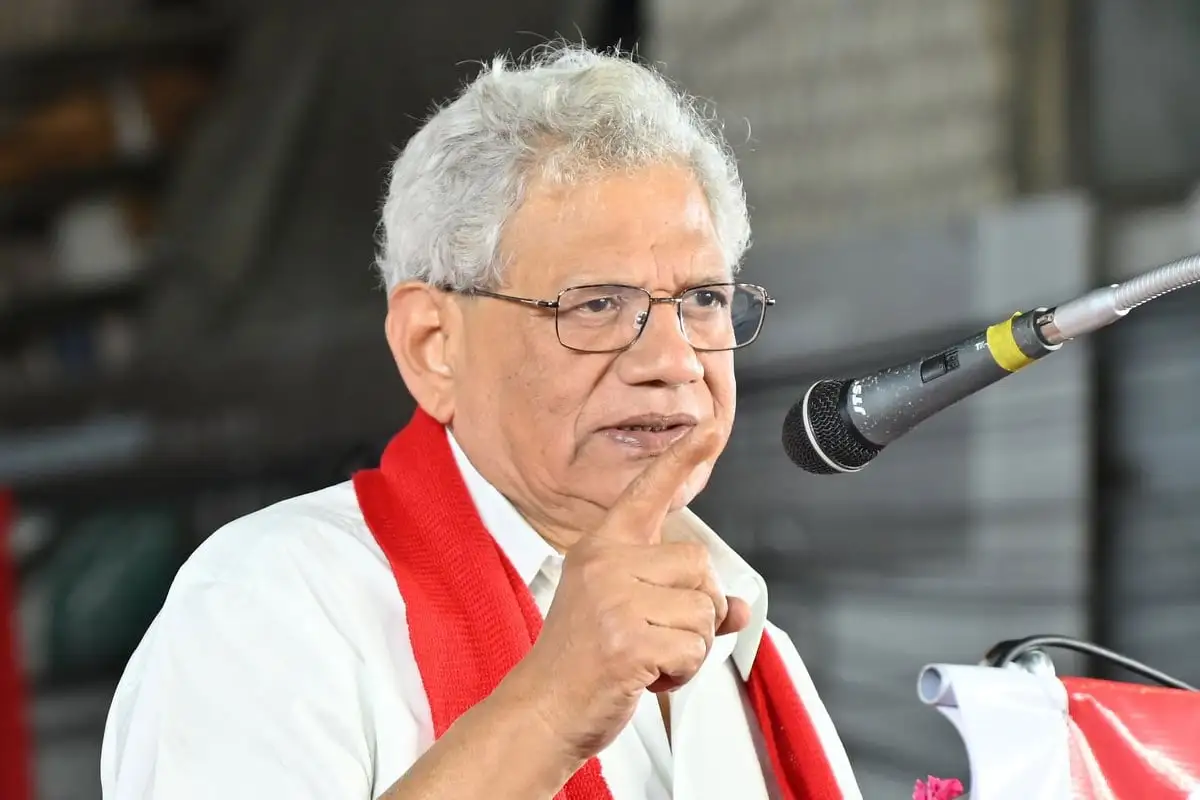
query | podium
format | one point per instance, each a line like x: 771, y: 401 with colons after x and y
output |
x: 1033, y: 735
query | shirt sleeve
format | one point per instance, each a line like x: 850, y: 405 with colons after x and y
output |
x: 238, y: 692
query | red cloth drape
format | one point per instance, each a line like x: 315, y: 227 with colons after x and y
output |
x: 16, y: 757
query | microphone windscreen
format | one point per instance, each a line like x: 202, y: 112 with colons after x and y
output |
x: 831, y: 439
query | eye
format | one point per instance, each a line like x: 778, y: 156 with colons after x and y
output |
x: 711, y: 298
x: 598, y: 305
x: 593, y: 302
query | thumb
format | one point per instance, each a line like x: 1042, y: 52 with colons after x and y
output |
x: 736, y: 618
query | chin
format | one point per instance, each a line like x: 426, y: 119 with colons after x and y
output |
x: 692, y: 487
x: 607, y: 492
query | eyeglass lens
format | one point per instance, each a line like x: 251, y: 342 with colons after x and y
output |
x: 605, y: 318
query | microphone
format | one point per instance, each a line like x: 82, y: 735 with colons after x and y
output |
x: 841, y: 425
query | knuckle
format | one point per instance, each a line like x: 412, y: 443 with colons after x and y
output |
x: 695, y: 653
x: 702, y: 610
x: 618, y: 642
x: 696, y: 557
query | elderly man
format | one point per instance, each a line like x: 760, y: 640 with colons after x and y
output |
x: 517, y: 602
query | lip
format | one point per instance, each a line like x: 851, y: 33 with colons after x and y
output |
x: 649, y: 434
x: 656, y: 421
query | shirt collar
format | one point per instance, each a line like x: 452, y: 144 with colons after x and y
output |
x: 526, y: 550
x: 529, y: 553
x: 736, y: 577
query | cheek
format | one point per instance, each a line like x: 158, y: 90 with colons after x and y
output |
x: 542, y: 394
x: 545, y: 386
x: 548, y: 399
x: 506, y: 370
x: 719, y: 376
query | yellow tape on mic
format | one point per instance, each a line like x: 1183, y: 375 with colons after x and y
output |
x: 1004, y: 348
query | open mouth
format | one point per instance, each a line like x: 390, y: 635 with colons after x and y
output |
x: 648, y: 427
x: 650, y: 435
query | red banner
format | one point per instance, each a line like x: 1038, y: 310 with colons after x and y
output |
x: 1130, y: 741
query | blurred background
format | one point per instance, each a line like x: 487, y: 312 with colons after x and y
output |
x: 190, y: 329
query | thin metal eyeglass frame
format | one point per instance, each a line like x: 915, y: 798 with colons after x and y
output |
x: 675, y: 300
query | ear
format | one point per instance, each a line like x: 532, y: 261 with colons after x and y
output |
x: 421, y: 327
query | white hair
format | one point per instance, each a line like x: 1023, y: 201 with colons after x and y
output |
x: 562, y: 113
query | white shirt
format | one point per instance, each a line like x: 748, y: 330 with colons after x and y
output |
x: 280, y: 666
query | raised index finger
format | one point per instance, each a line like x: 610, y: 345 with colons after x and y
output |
x: 639, y: 512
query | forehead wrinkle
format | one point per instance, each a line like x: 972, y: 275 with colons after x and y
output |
x: 674, y: 278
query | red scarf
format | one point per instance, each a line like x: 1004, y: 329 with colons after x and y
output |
x: 471, y: 618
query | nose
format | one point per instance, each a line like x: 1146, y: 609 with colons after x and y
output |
x: 662, y: 354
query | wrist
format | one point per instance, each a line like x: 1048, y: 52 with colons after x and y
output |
x: 535, y: 697
x: 524, y: 707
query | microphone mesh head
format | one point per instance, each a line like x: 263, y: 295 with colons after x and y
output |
x: 832, y: 436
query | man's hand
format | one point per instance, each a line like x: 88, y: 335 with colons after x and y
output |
x: 630, y: 613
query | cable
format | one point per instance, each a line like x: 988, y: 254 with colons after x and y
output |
x: 1007, y: 652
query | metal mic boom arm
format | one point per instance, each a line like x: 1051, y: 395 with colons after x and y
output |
x: 1106, y: 305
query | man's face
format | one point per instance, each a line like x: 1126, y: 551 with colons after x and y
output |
x: 557, y: 431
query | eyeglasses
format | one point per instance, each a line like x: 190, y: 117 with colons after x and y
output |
x: 606, y: 318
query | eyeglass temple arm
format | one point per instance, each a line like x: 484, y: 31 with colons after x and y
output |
x: 526, y: 301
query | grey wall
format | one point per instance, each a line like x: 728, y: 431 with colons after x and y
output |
x: 1153, y: 430
x: 1145, y: 92
x: 848, y: 115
